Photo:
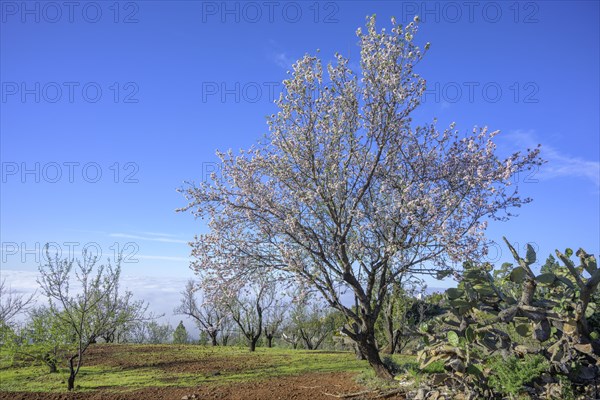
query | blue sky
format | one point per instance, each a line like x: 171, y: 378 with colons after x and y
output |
x: 144, y: 93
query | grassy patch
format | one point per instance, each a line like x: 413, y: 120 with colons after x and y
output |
x: 131, y: 367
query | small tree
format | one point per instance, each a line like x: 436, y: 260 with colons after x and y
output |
x: 180, y: 336
x: 210, y: 316
x: 248, y: 306
x: 227, y: 328
x: 85, y: 313
x: 124, y: 313
x: 273, y: 319
x: 310, y: 322
x: 159, y: 333
x: 203, y: 338
x: 150, y: 332
x: 44, y: 338
x: 291, y: 335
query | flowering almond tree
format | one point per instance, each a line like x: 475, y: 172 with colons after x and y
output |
x: 344, y: 194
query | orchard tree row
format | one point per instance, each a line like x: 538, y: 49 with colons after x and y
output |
x: 84, y: 305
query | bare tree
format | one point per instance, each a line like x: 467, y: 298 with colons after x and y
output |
x: 273, y: 319
x: 150, y: 332
x: 12, y: 303
x: 248, y: 306
x: 124, y: 313
x: 291, y: 335
x: 227, y: 328
x: 319, y: 323
x: 211, y: 317
x: 310, y: 322
x: 88, y: 312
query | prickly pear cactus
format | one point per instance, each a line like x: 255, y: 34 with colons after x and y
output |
x: 555, y: 312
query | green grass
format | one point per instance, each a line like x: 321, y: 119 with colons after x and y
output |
x: 131, y: 367
x: 37, y: 379
x: 406, y: 370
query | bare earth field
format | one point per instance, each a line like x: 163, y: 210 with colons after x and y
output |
x: 139, y: 372
x: 308, y: 386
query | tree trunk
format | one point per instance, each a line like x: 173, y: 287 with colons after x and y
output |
x: 358, y: 352
x: 71, y: 380
x: 388, y: 326
x: 213, y: 339
x: 320, y: 341
x: 252, y: 343
x: 369, y: 350
x: 51, y: 363
x: 52, y: 368
x: 401, y: 344
x: 269, y: 341
x: 109, y: 337
x: 391, y: 337
x: 366, y: 345
x: 307, y: 343
x: 396, y: 342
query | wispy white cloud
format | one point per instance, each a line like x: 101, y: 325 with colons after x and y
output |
x: 158, y: 234
x: 151, y: 237
x: 560, y: 163
x: 276, y: 54
x: 282, y: 60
